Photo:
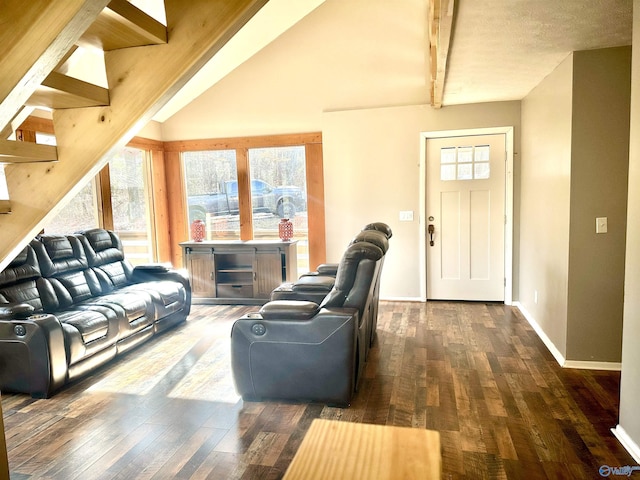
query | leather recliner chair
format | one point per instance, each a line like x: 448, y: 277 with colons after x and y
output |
x: 301, y: 351
x: 314, y: 286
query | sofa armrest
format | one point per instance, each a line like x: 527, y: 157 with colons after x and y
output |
x: 328, y: 269
x: 159, y: 272
x: 15, y: 310
x: 33, y: 355
x: 300, y: 359
x: 288, y: 309
x: 152, y: 272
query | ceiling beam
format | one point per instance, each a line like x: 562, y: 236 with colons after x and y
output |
x: 35, y: 36
x: 440, y: 24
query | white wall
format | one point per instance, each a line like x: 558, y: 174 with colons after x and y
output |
x: 372, y: 172
x: 545, y: 177
x: 628, y: 429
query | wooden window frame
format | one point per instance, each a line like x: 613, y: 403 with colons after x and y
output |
x: 315, y: 185
x: 169, y: 212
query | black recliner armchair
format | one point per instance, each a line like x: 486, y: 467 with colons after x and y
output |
x: 303, y: 351
x: 314, y: 286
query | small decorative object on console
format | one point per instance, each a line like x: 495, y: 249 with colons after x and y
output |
x: 285, y: 230
x: 197, y: 230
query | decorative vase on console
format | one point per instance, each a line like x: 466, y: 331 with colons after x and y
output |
x: 285, y: 230
x: 197, y: 230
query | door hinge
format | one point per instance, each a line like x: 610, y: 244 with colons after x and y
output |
x: 505, y: 282
x: 505, y: 219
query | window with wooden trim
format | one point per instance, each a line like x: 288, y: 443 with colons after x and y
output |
x: 270, y: 182
x: 211, y: 189
x: 129, y: 182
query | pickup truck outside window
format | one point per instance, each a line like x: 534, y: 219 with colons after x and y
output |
x: 278, y: 190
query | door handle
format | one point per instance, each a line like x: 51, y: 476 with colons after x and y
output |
x: 431, y: 229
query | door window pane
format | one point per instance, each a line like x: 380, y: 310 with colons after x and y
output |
x: 278, y: 190
x: 211, y: 186
x: 128, y: 173
x: 465, y: 163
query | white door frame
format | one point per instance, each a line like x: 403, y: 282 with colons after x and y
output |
x: 508, y: 203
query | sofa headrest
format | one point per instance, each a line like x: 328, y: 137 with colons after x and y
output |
x: 375, y: 237
x: 23, y: 267
x: 20, y: 259
x: 102, y: 246
x: 59, y: 254
x: 380, y: 227
x: 355, y: 275
x: 57, y: 246
x: 100, y: 239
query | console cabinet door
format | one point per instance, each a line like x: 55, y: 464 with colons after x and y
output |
x: 268, y: 274
x: 201, y: 269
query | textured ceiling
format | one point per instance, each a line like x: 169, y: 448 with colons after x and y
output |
x: 355, y: 54
x: 501, y: 49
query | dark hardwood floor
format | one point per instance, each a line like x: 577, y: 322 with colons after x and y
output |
x: 477, y: 373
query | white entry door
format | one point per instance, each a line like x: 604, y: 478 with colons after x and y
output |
x: 466, y: 212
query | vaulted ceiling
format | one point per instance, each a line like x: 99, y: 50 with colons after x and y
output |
x: 309, y: 56
x: 355, y: 54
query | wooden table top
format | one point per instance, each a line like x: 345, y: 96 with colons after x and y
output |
x: 344, y: 450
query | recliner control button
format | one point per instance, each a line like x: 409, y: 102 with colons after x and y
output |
x: 258, y: 329
x: 20, y: 330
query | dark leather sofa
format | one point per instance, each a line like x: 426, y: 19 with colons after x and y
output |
x: 69, y: 304
x: 300, y: 350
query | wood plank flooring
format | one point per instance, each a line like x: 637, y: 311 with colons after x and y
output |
x: 477, y: 373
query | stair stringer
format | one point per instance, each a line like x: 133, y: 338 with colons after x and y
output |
x: 141, y: 80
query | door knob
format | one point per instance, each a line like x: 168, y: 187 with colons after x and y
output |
x: 431, y: 229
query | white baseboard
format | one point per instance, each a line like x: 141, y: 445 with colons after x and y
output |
x: 564, y: 363
x: 543, y: 336
x: 612, y: 366
x: 404, y: 299
x: 627, y: 442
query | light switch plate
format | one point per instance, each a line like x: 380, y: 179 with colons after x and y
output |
x: 406, y: 215
x: 601, y: 225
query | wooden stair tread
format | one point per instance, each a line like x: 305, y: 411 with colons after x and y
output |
x: 123, y: 25
x: 5, y: 206
x: 62, y: 91
x: 21, y: 152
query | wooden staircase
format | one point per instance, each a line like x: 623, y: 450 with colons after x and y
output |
x: 145, y: 62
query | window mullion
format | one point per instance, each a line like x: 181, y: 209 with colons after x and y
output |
x: 244, y: 194
x: 105, y: 209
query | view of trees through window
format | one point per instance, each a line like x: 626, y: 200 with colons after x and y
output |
x: 278, y: 184
x: 128, y: 175
x: 128, y: 172
x: 81, y: 212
